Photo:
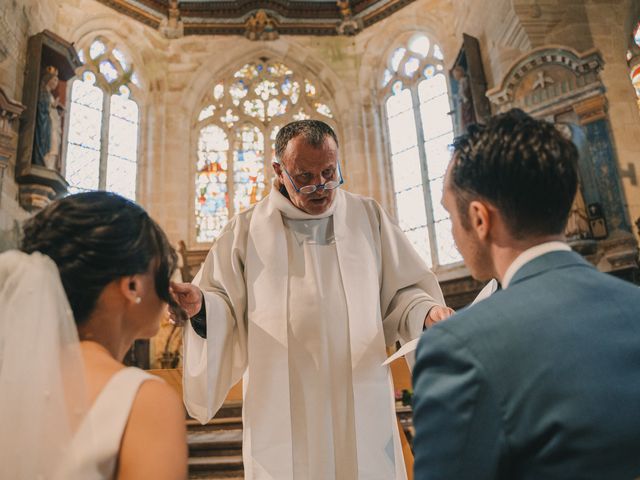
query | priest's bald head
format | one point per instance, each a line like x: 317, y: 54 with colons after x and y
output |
x: 307, y: 169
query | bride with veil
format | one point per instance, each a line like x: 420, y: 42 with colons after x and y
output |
x: 92, y: 275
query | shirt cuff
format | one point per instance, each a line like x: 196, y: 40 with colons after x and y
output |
x: 199, y: 321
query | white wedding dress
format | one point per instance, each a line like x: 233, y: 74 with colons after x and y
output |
x: 95, y: 447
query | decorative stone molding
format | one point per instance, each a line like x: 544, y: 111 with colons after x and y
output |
x: 10, y: 111
x: 297, y: 17
x: 549, y: 79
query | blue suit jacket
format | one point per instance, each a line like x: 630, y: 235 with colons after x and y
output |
x: 539, y: 381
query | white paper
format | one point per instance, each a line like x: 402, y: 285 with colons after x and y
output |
x: 408, y: 347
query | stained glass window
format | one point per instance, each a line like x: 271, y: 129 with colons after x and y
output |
x: 212, y: 195
x: 420, y: 132
x: 420, y: 45
x: 635, y: 79
x: 102, y: 142
x: 238, y: 123
x: 635, y: 66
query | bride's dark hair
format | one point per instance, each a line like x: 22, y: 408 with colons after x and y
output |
x: 95, y: 238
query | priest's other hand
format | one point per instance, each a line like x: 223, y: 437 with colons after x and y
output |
x: 437, y: 314
x: 188, y: 296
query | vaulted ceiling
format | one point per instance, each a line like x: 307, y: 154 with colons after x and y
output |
x: 224, y: 17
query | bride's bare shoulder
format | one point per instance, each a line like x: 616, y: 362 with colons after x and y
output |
x: 154, y: 441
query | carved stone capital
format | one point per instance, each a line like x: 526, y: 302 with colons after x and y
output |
x: 591, y: 109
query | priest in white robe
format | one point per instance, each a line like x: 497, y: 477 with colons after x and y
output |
x: 299, y: 296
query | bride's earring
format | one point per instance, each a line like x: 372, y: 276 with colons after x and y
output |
x: 138, y: 299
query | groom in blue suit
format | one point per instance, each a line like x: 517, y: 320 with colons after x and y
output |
x: 542, y: 379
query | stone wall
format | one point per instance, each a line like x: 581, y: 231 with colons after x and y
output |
x: 605, y: 17
x: 19, y: 19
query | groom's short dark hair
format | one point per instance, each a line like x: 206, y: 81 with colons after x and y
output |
x: 524, y: 167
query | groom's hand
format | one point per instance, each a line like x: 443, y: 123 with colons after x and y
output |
x: 188, y: 296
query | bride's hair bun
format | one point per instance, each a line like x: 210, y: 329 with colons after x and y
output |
x: 95, y: 238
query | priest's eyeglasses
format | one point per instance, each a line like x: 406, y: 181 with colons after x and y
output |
x: 309, y: 189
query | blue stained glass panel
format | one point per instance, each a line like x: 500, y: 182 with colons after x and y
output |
x: 212, y: 196
x: 411, y: 66
x: 248, y: 167
x: 108, y: 71
x: 96, y: 49
x: 396, y: 58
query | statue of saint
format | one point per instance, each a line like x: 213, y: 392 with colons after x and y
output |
x: 578, y: 223
x: 48, y: 135
x: 466, y: 115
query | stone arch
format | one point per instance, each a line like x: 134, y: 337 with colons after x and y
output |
x: 379, y: 47
x: 577, y: 72
x: 380, y: 41
x: 148, y: 62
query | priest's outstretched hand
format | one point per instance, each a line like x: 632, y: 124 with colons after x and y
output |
x: 188, y: 296
x: 437, y: 314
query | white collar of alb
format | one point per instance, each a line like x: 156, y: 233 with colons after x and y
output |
x: 289, y: 210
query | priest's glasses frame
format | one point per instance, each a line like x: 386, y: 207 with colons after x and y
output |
x: 309, y: 189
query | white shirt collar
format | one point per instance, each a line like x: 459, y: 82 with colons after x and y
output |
x: 530, y: 254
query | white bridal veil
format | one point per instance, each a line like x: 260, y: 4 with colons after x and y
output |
x: 42, y: 387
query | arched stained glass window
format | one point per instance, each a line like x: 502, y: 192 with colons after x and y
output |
x: 420, y: 130
x: 104, y: 120
x: 237, y: 124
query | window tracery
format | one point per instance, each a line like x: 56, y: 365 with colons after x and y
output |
x: 104, y: 122
x: 420, y: 128
x: 237, y: 126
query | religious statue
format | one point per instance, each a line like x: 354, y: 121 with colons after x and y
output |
x: 260, y: 26
x: 578, y: 222
x: 348, y: 26
x: 172, y: 26
x: 464, y: 103
x: 48, y: 134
